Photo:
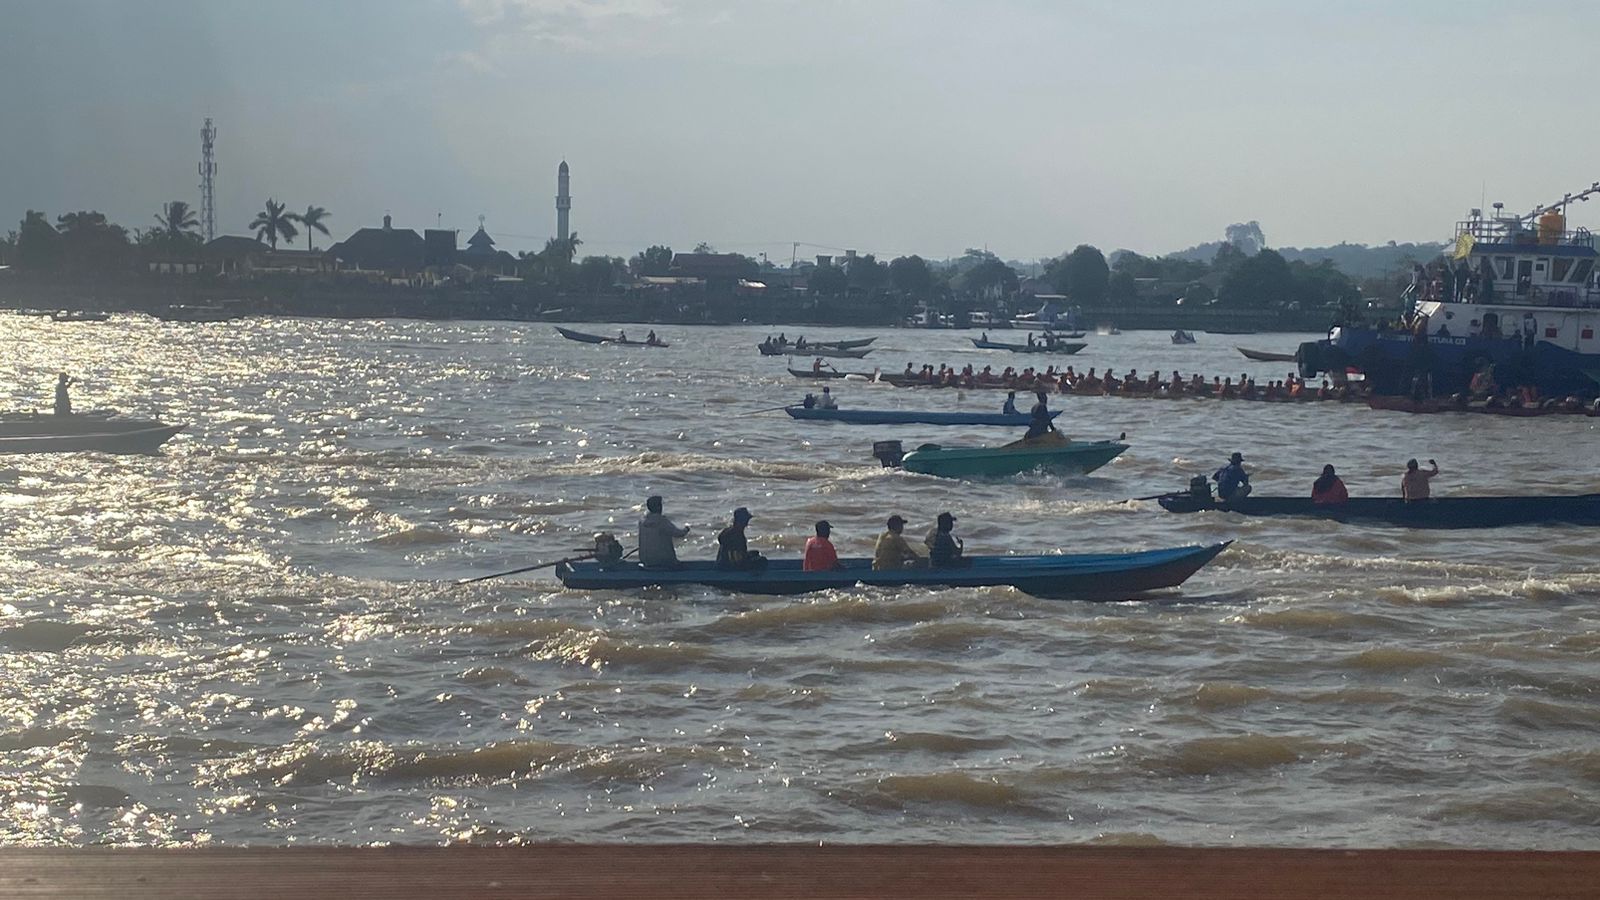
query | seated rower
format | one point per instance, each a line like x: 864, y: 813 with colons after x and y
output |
x: 1233, y: 482
x: 63, y: 405
x: 892, y: 551
x: 826, y: 401
x: 1328, y: 489
x: 651, y: 337
x: 733, y: 549
x: 820, y: 555
x: 1009, y: 408
x: 1414, y: 483
x: 810, y: 401
x: 944, y: 548
x: 656, y: 534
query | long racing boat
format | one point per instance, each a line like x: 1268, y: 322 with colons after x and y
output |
x: 1085, y: 576
x: 586, y: 338
x: 908, y: 417
x: 1438, y: 512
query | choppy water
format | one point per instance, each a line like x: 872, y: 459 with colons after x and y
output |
x: 251, y: 637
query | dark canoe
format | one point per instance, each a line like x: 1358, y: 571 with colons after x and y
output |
x: 585, y: 338
x: 1057, y: 347
x: 814, y: 350
x: 106, y: 436
x: 1088, y: 576
x: 908, y: 417
x: 1264, y: 356
x: 1439, y: 512
x: 792, y: 347
x: 1406, y: 404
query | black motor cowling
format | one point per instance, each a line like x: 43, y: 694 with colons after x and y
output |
x: 1309, y: 359
x: 890, y: 453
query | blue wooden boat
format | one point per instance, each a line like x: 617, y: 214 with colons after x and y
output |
x: 908, y: 417
x: 1085, y: 576
x: 1438, y: 512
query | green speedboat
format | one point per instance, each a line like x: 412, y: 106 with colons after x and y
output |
x: 1047, y: 454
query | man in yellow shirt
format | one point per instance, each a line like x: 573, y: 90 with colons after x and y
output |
x: 892, y: 550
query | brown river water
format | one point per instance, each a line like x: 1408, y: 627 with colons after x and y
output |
x: 252, y: 636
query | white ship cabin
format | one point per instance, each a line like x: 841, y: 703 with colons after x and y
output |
x: 1523, y: 277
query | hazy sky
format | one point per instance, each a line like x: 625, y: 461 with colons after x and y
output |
x: 893, y: 127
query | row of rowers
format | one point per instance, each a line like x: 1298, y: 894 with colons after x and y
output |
x: 1069, y: 380
x: 657, y: 550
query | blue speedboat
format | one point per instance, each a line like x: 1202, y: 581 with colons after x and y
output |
x: 1087, y: 576
x: 1521, y: 297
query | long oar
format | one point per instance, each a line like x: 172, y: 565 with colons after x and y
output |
x: 768, y: 409
x: 526, y: 569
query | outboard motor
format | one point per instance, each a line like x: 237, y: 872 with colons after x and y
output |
x: 1308, y: 359
x: 1200, y: 489
x: 890, y: 453
x: 607, y: 550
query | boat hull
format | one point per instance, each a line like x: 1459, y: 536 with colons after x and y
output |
x: 1264, y: 356
x: 1439, y: 512
x: 137, y: 440
x: 1002, y: 462
x: 907, y: 417
x: 1098, y: 576
x: 825, y: 352
x: 586, y: 338
x: 1391, y: 360
x: 1069, y: 347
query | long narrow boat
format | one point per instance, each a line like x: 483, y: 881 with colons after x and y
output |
x: 1439, y: 512
x: 1051, y: 453
x: 1055, y: 347
x: 586, y: 338
x: 793, y: 347
x: 79, y: 315
x: 814, y: 350
x: 73, y: 433
x: 908, y: 417
x: 1264, y: 356
x: 1547, y: 408
x: 1086, y: 576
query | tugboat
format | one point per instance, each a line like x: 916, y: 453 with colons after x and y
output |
x: 1522, y: 297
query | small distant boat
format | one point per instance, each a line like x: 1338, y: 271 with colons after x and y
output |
x: 1107, y: 329
x: 798, y: 348
x: 79, y: 315
x: 1052, y: 453
x: 1264, y: 356
x: 1439, y: 512
x: 47, y: 433
x: 1085, y: 576
x: 828, y: 352
x: 1049, y: 346
x: 200, y: 312
x: 1182, y: 337
x: 908, y: 417
x: 585, y: 338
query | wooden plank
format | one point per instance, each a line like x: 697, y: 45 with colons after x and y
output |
x: 782, y: 871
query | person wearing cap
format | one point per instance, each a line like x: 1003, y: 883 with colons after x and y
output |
x: 944, y: 548
x: 820, y: 555
x: 1233, y: 482
x: 733, y: 550
x: 892, y: 551
x: 656, y: 533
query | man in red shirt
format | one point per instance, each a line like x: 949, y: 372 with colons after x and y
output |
x: 820, y: 555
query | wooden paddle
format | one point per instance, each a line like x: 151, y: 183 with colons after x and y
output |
x: 768, y: 409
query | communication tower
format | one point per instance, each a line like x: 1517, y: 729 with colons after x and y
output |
x: 208, y: 174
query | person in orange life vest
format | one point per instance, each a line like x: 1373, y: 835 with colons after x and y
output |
x: 820, y: 555
x: 1329, y: 490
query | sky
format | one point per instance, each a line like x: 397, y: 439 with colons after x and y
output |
x: 809, y: 126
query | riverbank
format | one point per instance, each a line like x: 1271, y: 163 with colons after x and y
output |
x: 347, y: 298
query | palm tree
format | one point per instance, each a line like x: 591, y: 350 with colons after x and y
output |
x: 178, y: 221
x: 273, y: 223
x: 312, y: 220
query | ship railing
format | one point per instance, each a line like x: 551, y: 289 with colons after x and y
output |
x: 1521, y: 235
x: 1567, y: 296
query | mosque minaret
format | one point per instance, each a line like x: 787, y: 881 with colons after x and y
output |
x: 563, y: 202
